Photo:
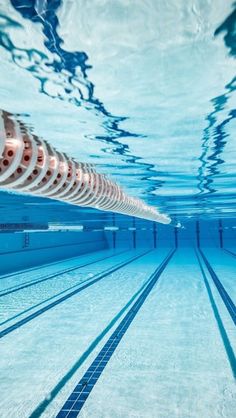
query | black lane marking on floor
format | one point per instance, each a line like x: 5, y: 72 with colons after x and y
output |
x: 77, y: 398
x: 224, y: 295
x: 69, y: 295
x: 62, y: 382
x: 52, y: 276
x: 223, y: 333
x: 229, y: 252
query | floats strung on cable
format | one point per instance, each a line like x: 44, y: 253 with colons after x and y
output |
x: 29, y: 164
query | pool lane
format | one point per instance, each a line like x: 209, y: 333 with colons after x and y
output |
x: 232, y: 253
x: 225, y: 268
x: 81, y: 392
x: 171, y: 362
x: 51, y: 300
x: 221, y: 289
x: 222, y: 314
x: 230, y: 248
x: 14, y: 281
x: 46, y: 348
x: 46, y: 277
x: 28, y: 298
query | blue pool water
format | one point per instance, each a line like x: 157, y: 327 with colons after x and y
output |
x: 145, y: 92
x: 175, y: 358
x: 104, y: 315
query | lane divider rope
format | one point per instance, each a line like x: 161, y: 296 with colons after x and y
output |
x: 31, y: 165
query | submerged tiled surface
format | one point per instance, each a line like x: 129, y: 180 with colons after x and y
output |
x: 173, y: 359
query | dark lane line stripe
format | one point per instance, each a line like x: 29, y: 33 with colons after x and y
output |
x: 224, y: 295
x: 229, y: 252
x: 69, y: 295
x: 52, y: 276
x: 223, y: 333
x: 63, y: 381
x: 77, y: 398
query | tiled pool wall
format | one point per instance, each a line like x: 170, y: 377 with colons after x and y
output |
x: 138, y: 233
x: 23, y: 249
x: 41, y: 237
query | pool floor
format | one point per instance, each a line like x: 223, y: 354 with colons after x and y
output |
x: 126, y: 333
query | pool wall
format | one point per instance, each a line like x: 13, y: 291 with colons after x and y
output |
x: 25, y: 249
x: 134, y: 233
x: 19, y: 250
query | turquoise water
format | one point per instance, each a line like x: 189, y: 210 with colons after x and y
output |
x: 145, y: 91
x: 104, y: 315
x: 172, y: 361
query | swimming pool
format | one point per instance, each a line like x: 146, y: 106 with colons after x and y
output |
x: 174, y: 357
x: 103, y: 314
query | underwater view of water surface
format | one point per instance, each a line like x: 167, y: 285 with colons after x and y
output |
x: 118, y: 208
